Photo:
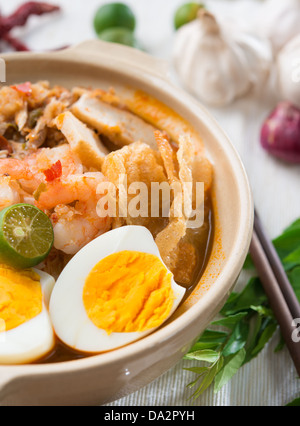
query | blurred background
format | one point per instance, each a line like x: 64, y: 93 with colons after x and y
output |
x: 251, y: 32
x: 154, y: 21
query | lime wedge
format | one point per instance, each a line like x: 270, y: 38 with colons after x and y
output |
x: 118, y: 35
x: 114, y: 15
x: 26, y: 236
x: 186, y: 13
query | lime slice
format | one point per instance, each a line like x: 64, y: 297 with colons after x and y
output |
x: 114, y: 15
x: 186, y: 13
x: 26, y: 236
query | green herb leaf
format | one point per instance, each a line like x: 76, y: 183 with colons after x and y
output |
x: 292, y: 260
x: 231, y: 320
x: 192, y: 384
x: 255, y: 326
x: 288, y: 242
x: 249, y: 320
x: 258, y: 336
x: 213, y: 336
x: 252, y: 295
x: 207, y: 355
x: 210, y: 339
x: 265, y: 336
x: 263, y: 310
x: 295, y: 403
x: 248, y: 265
x: 200, y: 346
x: 209, y: 377
x: 294, y: 277
x: 293, y: 226
x: 197, y: 370
x: 230, y: 368
x: 237, y: 339
x: 280, y: 344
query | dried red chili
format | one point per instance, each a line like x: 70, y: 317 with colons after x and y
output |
x: 20, y: 18
x: 54, y: 172
x: 21, y: 15
x: 17, y: 44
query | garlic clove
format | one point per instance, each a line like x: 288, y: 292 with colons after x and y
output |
x: 217, y: 64
x: 288, y: 72
x: 279, y: 21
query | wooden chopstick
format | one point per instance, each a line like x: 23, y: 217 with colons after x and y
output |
x: 276, y: 288
x: 276, y: 264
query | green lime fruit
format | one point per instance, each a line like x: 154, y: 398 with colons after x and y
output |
x: 118, y: 35
x: 26, y: 236
x: 114, y: 15
x: 186, y: 13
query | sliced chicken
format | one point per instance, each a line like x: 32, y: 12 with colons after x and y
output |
x: 120, y: 126
x: 82, y: 140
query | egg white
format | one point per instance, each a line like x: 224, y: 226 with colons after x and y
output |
x: 69, y: 318
x: 34, y: 338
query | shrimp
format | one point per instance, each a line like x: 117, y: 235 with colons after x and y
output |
x: 71, y: 199
x: 9, y: 194
x: 73, y: 229
x: 44, y: 158
x: 79, y: 187
x: 76, y: 226
x: 30, y: 171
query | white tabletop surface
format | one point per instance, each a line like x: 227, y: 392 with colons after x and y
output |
x: 270, y: 379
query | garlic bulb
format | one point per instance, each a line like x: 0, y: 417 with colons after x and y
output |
x: 279, y: 21
x: 288, y: 71
x: 219, y: 64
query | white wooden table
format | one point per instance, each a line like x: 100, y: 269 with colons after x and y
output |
x: 270, y: 379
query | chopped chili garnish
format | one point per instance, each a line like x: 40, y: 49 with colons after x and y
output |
x: 24, y: 88
x: 54, y: 218
x: 54, y: 172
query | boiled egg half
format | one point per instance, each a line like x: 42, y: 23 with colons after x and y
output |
x: 113, y: 292
x: 26, y: 332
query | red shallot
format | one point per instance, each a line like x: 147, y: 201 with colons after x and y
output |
x: 280, y: 133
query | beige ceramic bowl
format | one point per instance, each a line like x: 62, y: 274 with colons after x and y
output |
x: 107, y: 377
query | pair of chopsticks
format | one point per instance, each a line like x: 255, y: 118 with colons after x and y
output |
x: 279, y: 291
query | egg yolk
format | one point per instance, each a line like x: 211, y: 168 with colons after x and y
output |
x: 128, y: 291
x: 20, y: 297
